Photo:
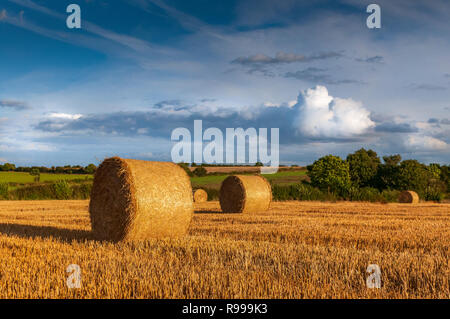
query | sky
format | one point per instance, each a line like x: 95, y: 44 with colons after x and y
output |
x: 138, y: 69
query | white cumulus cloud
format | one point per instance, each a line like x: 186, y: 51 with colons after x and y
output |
x: 322, y: 115
x: 420, y: 142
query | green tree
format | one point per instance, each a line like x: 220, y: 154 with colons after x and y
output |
x: 36, y: 173
x: 413, y: 175
x: 386, y: 177
x: 7, y: 167
x: 200, y: 171
x: 62, y: 189
x: 330, y: 173
x: 363, y: 167
x: 392, y: 160
x: 435, y: 170
x: 90, y: 169
x: 259, y: 164
x: 445, y: 176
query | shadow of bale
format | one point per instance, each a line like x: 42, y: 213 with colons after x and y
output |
x: 211, y: 212
x: 32, y: 231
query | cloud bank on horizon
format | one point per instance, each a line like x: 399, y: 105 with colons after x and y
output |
x: 122, y: 83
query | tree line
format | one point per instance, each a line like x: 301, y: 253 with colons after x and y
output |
x: 364, y: 169
x: 36, y: 170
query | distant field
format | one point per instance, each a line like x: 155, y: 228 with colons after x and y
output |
x: 24, y: 178
x: 240, y: 169
x: 286, y: 177
x: 283, y: 177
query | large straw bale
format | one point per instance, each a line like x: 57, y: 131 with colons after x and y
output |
x: 134, y: 200
x: 245, y: 193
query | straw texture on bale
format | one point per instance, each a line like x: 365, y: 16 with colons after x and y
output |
x: 200, y: 196
x: 244, y: 193
x: 410, y: 197
x: 133, y: 200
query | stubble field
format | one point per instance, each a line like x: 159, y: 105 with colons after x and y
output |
x: 295, y: 250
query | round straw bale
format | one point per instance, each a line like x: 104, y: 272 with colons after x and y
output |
x: 244, y: 193
x: 408, y: 197
x: 200, y: 196
x: 134, y: 200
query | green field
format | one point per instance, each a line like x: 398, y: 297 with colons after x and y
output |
x: 283, y: 177
x: 26, y: 178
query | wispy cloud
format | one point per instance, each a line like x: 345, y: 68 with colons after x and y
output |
x: 374, y: 59
x: 428, y: 87
x: 2, y: 14
x: 317, y: 75
x: 133, y: 43
x: 14, y: 145
x: 283, y: 58
x: 189, y: 22
x: 13, y: 104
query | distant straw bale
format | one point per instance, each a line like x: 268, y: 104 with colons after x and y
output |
x: 410, y: 197
x: 200, y: 196
x: 245, y: 193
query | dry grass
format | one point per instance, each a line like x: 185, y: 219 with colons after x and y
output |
x: 294, y: 250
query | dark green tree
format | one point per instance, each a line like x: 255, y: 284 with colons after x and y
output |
x: 330, y: 173
x: 200, y: 171
x: 7, y: 167
x: 392, y: 160
x: 90, y: 169
x: 363, y: 167
x: 36, y: 173
x: 386, y: 177
x: 445, y: 176
x: 413, y: 175
x: 435, y: 170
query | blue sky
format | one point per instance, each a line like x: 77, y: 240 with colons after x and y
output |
x: 139, y: 69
